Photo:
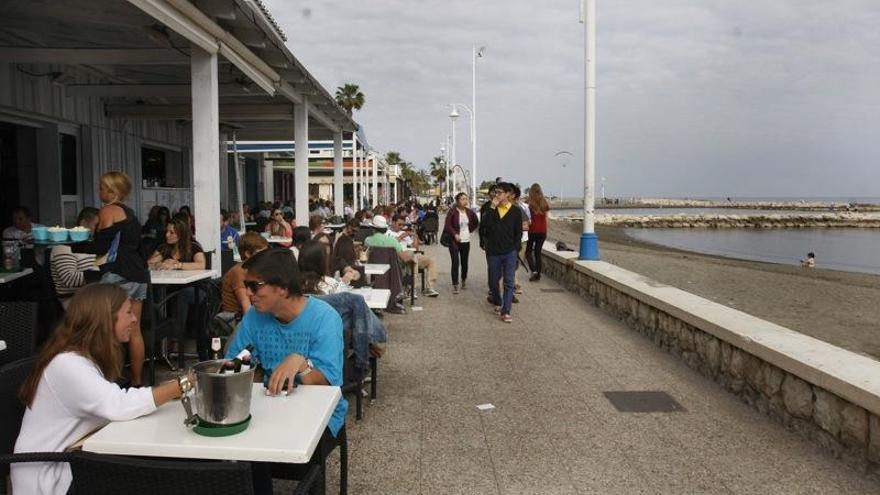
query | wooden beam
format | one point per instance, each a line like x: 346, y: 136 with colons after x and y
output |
x: 219, y: 9
x: 230, y: 113
x: 153, y: 90
x: 94, y: 56
x: 274, y: 58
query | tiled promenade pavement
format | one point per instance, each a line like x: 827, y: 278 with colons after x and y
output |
x: 552, y: 430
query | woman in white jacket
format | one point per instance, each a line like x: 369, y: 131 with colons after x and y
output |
x: 71, y: 391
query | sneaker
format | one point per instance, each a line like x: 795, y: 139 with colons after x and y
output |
x: 516, y: 299
x: 518, y: 290
x: 489, y: 300
x: 429, y: 292
x: 535, y: 277
x: 463, y: 284
x: 497, y: 310
x: 455, y: 289
x: 506, y: 318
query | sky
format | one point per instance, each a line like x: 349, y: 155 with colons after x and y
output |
x: 715, y: 98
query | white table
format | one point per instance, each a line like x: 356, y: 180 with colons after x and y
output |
x: 180, y: 277
x: 283, y: 429
x: 5, y: 278
x: 375, y: 298
x: 371, y: 269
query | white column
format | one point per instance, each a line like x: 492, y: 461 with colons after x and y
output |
x: 267, y: 172
x: 355, y: 183
x: 375, y: 180
x: 224, y: 173
x: 338, y: 205
x: 395, y: 189
x: 206, y: 153
x: 301, y: 161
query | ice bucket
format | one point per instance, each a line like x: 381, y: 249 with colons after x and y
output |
x: 219, y: 400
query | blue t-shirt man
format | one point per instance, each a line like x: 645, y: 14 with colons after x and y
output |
x: 316, y: 334
x: 227, y: 232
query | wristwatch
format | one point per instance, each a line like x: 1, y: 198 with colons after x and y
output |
x: 309, y: 367
x: 185, y: 384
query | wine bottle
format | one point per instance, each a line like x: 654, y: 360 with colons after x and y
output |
x: 216, y: 346
x: 244, y: 355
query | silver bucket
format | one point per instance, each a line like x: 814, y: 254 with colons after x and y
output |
x: 220, y: 399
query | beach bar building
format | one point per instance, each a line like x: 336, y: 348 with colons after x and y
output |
x: 157, y: 89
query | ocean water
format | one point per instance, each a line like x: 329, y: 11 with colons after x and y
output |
x: 853, y: 250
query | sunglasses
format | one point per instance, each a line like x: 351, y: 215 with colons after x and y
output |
x: 253, y: 285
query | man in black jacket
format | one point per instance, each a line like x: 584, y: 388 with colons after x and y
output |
x: 502, y: 227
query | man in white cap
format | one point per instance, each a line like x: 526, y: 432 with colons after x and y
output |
x: 424, y: 262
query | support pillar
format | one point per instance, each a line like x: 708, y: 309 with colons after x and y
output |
x: 206, y: 152
x: 338, y: 206
x: 375, y: 180
x: 301, y: 161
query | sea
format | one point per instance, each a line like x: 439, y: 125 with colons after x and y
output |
x: 854, y: 250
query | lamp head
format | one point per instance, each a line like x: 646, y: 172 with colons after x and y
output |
x: 454, y: 114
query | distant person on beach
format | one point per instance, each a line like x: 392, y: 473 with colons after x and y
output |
x: 810, y: 261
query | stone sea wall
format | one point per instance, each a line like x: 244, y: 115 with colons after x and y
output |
x: 801, y: 401
x: 774, y: 221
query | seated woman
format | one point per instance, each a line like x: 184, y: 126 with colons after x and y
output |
x: 70, y: 270
x: 346, y: 252
x: 235, y: 297
x: 179, y: 252
x: 314, y: 265
x: 279, y: 227
x: 71, y: 390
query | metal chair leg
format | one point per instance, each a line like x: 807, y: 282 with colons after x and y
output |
x: 373, y: 377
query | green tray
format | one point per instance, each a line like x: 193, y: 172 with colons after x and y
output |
x: 212, y: 430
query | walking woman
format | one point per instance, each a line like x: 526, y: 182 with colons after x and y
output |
x: 71, y: 390
x: 538, y: 208
x: 460, y: 222
x: 118, y: 237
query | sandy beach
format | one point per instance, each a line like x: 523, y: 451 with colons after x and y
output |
x: 838, y: 307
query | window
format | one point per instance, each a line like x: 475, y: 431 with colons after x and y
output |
x: 163, y: 168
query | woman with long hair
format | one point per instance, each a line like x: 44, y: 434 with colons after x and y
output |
x: 314, y: 266
x: 117, y: 243
x: 179, y: 251
x: 71, y: 391
x: 538, y: 208
x: 460, y: 222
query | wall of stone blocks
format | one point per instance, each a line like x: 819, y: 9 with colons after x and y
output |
x: 843, y: 429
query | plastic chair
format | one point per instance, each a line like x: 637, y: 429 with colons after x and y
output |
x: 18, y: 327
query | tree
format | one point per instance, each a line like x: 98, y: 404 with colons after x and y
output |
x: 419, y: 180
x: 437, y: 169
x: 350, y: 97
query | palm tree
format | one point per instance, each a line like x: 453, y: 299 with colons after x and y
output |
x: 438, y: 170
x: 350, y: 97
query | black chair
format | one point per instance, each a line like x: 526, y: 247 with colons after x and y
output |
x: 18, y: 327
x: 429, y: 227
x: 352, y: 376
x: 302, y: 473
x: 12, y: 376
x: 227, y: 261
x: 393, y: 278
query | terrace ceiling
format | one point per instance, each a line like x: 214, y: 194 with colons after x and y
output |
x: 139, y: 66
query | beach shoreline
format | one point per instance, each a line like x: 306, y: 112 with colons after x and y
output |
x: 834, y: 306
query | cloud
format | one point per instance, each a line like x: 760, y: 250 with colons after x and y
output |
x: 710, y: 98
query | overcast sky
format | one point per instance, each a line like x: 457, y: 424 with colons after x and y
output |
x: 708, y: 98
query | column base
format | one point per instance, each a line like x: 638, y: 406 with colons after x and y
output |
x: 589, y: 247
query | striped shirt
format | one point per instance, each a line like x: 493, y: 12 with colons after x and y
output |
x: 68, y: 268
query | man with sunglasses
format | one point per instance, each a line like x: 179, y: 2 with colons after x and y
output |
x: 297, y: 339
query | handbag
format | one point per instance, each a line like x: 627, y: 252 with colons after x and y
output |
x: 445, y: 238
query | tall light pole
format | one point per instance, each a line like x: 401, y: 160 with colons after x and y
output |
x: 471, y: 116
x: 453, y: 115
x: 563, y: 156
x: 477, y: 54
x: 443, y: 150
x: 589, y: 245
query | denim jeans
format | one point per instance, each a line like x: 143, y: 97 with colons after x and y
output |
x: 363, y: 324
x: 503, y: 265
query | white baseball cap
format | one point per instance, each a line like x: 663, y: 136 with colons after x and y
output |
x: 379, y: 222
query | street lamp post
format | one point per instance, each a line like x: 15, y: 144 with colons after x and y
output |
x: 477, y: 54
x: 589, y: 245
x: 472, y: 117
x: 453, y: 116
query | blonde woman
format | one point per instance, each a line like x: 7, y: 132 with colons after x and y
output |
x: 118, y: 237
x: 538, y: 208
x: 71, y: 390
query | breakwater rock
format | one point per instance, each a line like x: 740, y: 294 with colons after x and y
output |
x: 773, y: 221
